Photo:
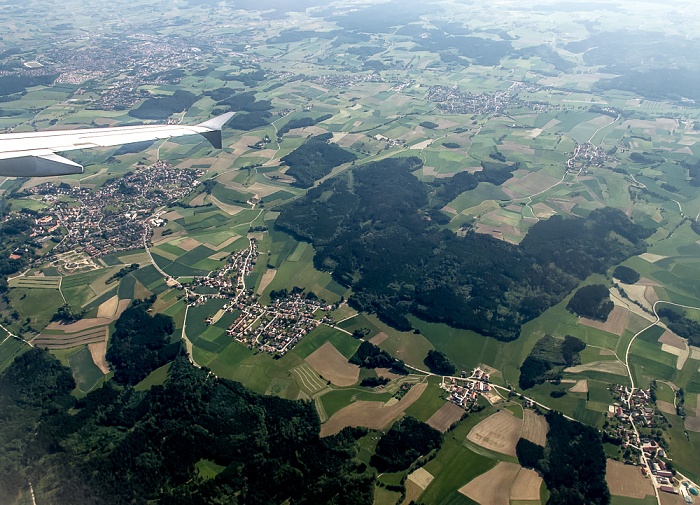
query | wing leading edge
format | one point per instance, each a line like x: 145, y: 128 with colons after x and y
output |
x: 33, y: 154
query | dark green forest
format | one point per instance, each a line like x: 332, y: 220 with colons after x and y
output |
x: 162, y: 107
x: 140, y: 343
x: 121, y: 446
x: 370, y: 356
x: 406, y: 441
x: 572, y: 464
x: 548, y: 358
x: 626, y: 274
x: 373, y: 228
x: 314, y: 159
x: 439, y: 363
x: 592, y: 301
x: 681, y: 325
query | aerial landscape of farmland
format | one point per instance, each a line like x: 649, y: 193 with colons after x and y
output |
x: 448, y: 253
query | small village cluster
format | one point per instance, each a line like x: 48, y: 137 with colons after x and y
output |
x: 636, y: 407
x: 586, y: 156
x: 464, y: 390
x: 275, y: 328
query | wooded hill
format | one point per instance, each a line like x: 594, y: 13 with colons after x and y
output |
x: 372, y: 227
x: 121, y: 446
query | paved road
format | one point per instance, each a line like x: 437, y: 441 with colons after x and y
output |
x: 629, y: 372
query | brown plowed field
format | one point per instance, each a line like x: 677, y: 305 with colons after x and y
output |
x: 673, y: 340
x: 333, y: 366
x: 615, y: 324
x: 535, y: 428
x: 499, y: 432
x: 492, y: 487
x: 373, y: 415
x: 98, y: 352
x: 82, y: 325
x: 68, y: 340
x: 378, y: 338
x: 526, y: 486
x: 627, y: 480
x: 443, y: 418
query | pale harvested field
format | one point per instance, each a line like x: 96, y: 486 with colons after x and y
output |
x: 198, y: 200
x: 262, y: 190
x: 652, y: 258
x: 243, y: 143
x: 378, y: 338
x: 188, y: 243
x: 266, y: 280
x: 580, y: 387
x: 372, y: 415
x: 615, y: 324
x: 333, y: 366
x: 422, y: 477
x: 83, y: 324
x: 66, y: 341
x: 498, y: 432
x: 551, y: 124
x: 618, y: 299
x: 443, y: 418
x: 108, y: 308
x: 682, y: 354
x: 172, y: 215
x: 526, y: 485
x: 646, y: 282
x: 637, y: 293
x: 386, y: 372
x: 123, y: 305
x: 429, y: 171
x: 422, y: 145
x: 535, y: 428
x: 231, y: 210
x: 543, y: 211
x: 666, y: 407
x: 650, y: 295
x: 627, y: 480
x: 98, y: 352
x: 492, y: 487
x: 413, y: 492
x: 349, y: 139
x: 614, y: 367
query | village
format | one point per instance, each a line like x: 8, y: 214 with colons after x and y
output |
x: 275, y: 328
x: 635, y: 411
x: 586, y: 156
x: 465, y: 390
x: 112, y: 218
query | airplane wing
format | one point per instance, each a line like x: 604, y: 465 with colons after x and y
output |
x: 33, y: 154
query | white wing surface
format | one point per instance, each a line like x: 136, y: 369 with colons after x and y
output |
x: 33, y: 154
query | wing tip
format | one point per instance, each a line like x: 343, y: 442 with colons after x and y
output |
x: 217, y: 122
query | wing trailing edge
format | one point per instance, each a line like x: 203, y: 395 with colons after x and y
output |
x: 33, y: 154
